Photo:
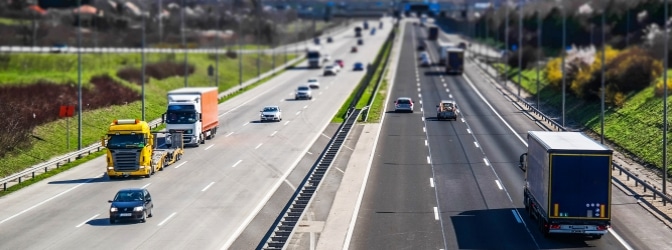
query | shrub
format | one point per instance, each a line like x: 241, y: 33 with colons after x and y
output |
x: 588, y: 80
x: 659, y: 87
x: 633, y: 70
x: 553, y: 72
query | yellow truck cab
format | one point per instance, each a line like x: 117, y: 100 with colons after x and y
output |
x: 132, y: 150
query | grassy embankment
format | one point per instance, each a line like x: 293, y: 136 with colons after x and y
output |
x: 23, y: 69
x: 636, y: 127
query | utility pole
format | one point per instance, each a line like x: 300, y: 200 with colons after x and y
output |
x: 539, y: 51
x: 142, y: 55
x: 603, y: 90
x: 184, y: 45
x: 564, y: 72
x: 520, y: 46
x: 217, y: 43
x: 665, y: 66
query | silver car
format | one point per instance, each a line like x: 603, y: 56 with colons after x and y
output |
x: 270, y: 113
x: 403, y: 104
x: 303, y: 92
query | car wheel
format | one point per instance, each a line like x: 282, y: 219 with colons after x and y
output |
x: 150, y: 214
x: 144, y: 217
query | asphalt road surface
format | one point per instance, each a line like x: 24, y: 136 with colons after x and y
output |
x: 455, y: 184
x: 206, y: 200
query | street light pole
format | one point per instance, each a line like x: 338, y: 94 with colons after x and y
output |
x: 520, y: 46
x: 665, y: 66
x: 184, y: 45
x: 506, y: 44
x: 539, y: 50
x: 142, y: 75
x: 79, y: 74
x: 240, y: 55
x: 217, y: 43
x: 564, y: 50
x: 603, y: 90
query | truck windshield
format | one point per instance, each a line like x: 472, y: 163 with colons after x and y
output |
x: 126, y: 141
x: 313, y: 54
x: 181, y: 117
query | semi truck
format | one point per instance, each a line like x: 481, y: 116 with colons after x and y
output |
x: 567, y: 187
x: 443, y: 50
x: 433, y: 33
x: 132, y: 150
x: 454, y: 61
x: 314, y: 57
x: 192, y: 112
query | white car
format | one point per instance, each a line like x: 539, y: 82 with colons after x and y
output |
x: 337, y: 67
x: 330, y: 70
x: 270, y: 113
x: 313, y: 83
x: 326, y: 58
x: 303, y: 92
x: 403, y: 104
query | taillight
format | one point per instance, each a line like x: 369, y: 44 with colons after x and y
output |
x: 602, y: 227
x: 554, y: 226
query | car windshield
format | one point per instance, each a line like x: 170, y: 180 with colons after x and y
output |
x: 329, y: 67
x: 303, y: 88
x: 312, y: 80
x: 126, y: 196
x: 125, y: 141
x: 270, y: 109
x: 404, y: 101
x: 447, y: 105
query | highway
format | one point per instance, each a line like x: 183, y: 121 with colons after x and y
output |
x: 455, y: 184
x: 208, y: 199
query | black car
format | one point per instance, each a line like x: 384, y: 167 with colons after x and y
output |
x: 131, y: 204
x: 329, y: 39
x: 360, y: 41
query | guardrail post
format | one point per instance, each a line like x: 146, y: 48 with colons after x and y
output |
x: 4, y: 186
x: 33, y: 175
x: 46, y: 169
x: 19, y: 180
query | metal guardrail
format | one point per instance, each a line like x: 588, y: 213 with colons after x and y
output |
x: 283, y: 226
x: 621, y: 170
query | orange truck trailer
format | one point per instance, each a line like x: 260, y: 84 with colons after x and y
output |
x: 192, y: 112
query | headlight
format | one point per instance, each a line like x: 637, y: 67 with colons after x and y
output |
x: 110, y: 168
x: 142, y: 167
x: 137, y: 209
x: 113, y: 209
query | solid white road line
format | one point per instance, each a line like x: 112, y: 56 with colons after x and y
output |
x: 499, y: 185
x: 47, y: 200
x: 486, y: 161
x: 436, y: 213
x: 146, y: 185
x: 431, y: 182
x: 209, y: 147
x: 621, y: 240
x: 423, y: 118
x: 87, y: 220
x: 424, y: 130
x: 208, y: 186
x: 166, y: 219
x: 426, y: 143
x: 469, y: 131
x: 258, y: 146
x: 236, y: 164
x: 178, y: 166
x: 429, y: 161
x: 476, y: 144
x: 517, y: 216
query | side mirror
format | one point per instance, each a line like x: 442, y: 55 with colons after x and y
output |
x: 149, y: 199
x: 200, y: 117
x: 102, y: 141
x: 109, y: 201
x: 522, y: 162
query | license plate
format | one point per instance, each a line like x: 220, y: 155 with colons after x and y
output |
x: 125, y: 173
x: 125, y: 214
x: 577, y: 231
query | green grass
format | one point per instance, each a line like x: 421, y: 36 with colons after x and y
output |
x: 25, y: 68
x: 11, y: 22
x: 376, y: 109
x: 51, y: 173
x: 636, y: 127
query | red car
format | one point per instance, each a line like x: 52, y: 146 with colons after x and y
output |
x: 339, y: 62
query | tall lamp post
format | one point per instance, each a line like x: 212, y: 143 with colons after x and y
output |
x: 184, y: 44
x: 539, y: 50
x: 603, y: 90
x: 665, y: 66
x: 143, y: 67
x: 79, y: 74
x: 520, y: 46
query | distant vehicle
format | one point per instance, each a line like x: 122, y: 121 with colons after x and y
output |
x: 59, y: 47
x: 314, y: 55
x: 326, y: 58
x: 373, y: 31
x: 443, y: 50
x: 425, y: 62
x: 366, y: 25
x: 330, y: 70
x: 423, y: 20
x: 404, y: 104
x: 340, y: 62
x: 446, y: 110
x: 423, y: 55
x: 421, y: 45
x: 303, y: 92
x: 462, y: 45
x: 329, y: 40
x: 433, y: 33
x: 358, y: 66
x: 380, y: 25
x: 337, y: 67
x: 313, y: 83
x: 358, y: 31
x: 316, y: 40
x: 567, y: 187
x: 360, y: 41
x: 455, y: 61
x: 270, y: 113
x: 131, y: 204
x: 353, y: 49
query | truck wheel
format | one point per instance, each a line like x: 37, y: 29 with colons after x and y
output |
x: 202, y: 139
